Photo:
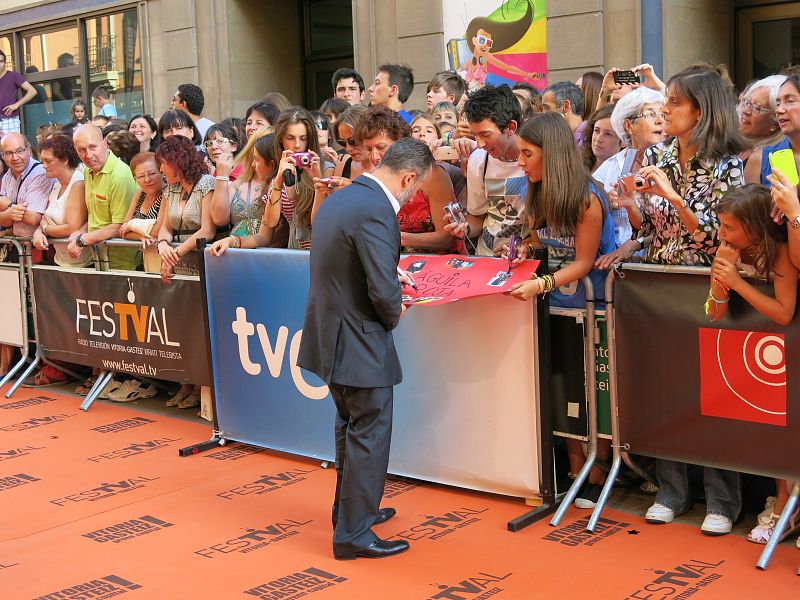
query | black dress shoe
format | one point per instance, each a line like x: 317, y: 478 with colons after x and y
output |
x: 378, y: 549
x: 384, y: 514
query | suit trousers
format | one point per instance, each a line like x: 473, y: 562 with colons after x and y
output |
x: 363, y: 438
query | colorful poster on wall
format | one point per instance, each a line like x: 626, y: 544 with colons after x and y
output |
x: 497, y: 41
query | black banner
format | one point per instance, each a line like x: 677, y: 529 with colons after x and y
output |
x: 717, y: 394
x: 123, y: 321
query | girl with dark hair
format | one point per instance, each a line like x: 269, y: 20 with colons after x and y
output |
x: 752, y: 241
x: 145, y: 128
x: 333, y: 107
x: 567, y: 213
x: 600, y: 141
x: 177, y: 122
x: 258, y: 116
x: 297, y: 145
x: 222, y: 145
x: 77, y: 112
x: 264, y: 164
x: 590, y: 84
x: 323, y: 125
x: 354, y: 161
x: 485, y: 36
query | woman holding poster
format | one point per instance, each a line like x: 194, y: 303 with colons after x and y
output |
x: 567, y: 213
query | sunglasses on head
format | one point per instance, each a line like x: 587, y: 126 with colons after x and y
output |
x: 321, y: 125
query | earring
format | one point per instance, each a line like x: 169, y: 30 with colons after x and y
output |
x: 698, y: 118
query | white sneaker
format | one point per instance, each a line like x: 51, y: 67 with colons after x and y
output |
x: 133, y: 389
x: 716, y: 525
x: 659, y: 514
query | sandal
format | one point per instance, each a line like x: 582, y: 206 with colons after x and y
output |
x: 47, y: 376
x: 86, y: 387
x: 178, y: 397
x: 765, y: 527
x: 190, y: 401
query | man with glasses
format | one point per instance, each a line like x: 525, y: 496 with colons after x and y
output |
x: 24, y: 189
x: 11, y: 83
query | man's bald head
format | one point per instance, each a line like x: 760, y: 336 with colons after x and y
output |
x: 92, y: 148
x: 16, y: 152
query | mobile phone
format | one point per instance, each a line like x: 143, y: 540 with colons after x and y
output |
x: 783, y: 160
x: 445, y: 153
x: 626, y: 77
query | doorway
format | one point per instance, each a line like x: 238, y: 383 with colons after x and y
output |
x: 768, y: 39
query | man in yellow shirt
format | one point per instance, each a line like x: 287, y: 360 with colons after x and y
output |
x: 109, y: 188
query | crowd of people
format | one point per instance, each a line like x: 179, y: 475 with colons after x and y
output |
x: 674, y: 173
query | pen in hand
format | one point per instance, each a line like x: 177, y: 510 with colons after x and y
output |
x: 406, y: 279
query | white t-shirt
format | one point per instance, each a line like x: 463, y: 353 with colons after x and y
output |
x: 56, y: 214
x: 496, y: 190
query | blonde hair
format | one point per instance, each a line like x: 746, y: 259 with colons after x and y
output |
x: 245, y: 157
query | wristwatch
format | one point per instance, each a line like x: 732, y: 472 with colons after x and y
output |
x: 641, y: 242
x: 79, y: 241
x: 795, y: 222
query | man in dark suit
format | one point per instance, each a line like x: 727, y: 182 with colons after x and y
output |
x: 354, y: 303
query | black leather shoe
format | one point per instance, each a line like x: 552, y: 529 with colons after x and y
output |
x: 378, y: 549
x: 384, y: 514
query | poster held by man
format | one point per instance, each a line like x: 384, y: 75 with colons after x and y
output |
x: 354, y: 303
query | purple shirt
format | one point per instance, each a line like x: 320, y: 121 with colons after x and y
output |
x: 33, y: 194
x: 9, y: 91
x: 579, y: 134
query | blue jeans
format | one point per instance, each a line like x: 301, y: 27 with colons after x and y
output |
x: 722, y: 489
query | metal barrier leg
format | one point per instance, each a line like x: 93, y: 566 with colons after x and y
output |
x: 12, y: 371
x: 102, y: 380
x: 591, y: 393
x: 780, y: 527
x: 636, y: 468
x: 36, y: 360
x: 606, y: 492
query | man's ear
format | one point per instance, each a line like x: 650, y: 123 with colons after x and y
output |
x: 409, y: 179
x: 566, y: 107
x: 512, y: 127
x: 393, y: 90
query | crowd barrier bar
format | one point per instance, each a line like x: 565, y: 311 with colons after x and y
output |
x: 23, y: 298
x: 589, y: 337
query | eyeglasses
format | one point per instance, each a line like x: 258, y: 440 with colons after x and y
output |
x: 321, y: 125
x: 485, y: 41
x: 788, y: 102
x: 746, y: 104
x: 347, y: 142
x: 17, y: 152
x: 650, y: 115
x: 148, y: 175
x: 216, y: 142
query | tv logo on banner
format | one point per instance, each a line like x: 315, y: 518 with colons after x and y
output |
x: 686, y: 579
x: 135, y: 449
x: 37, y: 422
x: 244, y: 329
x: 27, y: 402
x: 13, y: 453
x: 106, y: 490
x: 575, y: 534
x: 117, y: 426
x: 267, y: 483
x: 99, y: 589
x: 743, y: 375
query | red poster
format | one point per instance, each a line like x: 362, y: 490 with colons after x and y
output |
x: 452, y: 277
x: 743, y: 375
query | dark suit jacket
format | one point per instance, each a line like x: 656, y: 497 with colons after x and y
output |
x: 354, y: 300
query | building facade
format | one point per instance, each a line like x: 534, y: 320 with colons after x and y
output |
x: 238, y: 50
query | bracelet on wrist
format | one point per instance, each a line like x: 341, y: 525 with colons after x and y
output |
x: 222, y: 178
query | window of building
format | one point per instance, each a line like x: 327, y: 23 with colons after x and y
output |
x: 67, y: 61
x: 328, y: 45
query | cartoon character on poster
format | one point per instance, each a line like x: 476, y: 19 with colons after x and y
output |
x: 510, y: 41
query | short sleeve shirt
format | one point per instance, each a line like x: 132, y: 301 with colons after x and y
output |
x: 108, y: 110
x: 496, y: 190
x: 9, y: 91
x: 108, y: 196
x: 33, y: 194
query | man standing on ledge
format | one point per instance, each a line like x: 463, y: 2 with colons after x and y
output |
x: 354, y: 303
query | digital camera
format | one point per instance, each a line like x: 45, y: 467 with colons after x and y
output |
x: 634, y: 183
x: 302, y: 159
x: 456, y: 212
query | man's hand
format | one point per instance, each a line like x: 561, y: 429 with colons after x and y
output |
x: 10, y: 109
x: 16, y: 212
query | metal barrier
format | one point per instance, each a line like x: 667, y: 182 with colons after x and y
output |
x: 23, y: 299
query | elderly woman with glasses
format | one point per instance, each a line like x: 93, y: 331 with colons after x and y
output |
x: 639, y: 123
x: 222, y: 145
x: 758, y: 121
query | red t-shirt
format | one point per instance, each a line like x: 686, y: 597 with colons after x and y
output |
x: 9, y: 91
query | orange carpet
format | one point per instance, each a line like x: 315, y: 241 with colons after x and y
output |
x: 100, y: 505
